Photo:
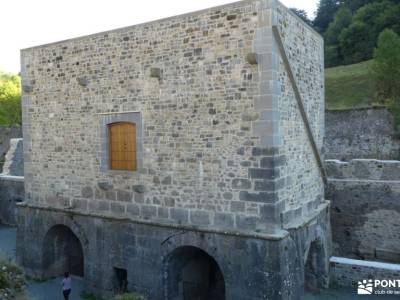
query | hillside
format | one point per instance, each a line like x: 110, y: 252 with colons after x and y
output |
x: 349, y: 86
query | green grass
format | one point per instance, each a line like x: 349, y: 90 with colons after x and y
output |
x: 129, y: 296
x: 349, y: 86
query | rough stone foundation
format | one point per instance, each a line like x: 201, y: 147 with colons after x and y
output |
x: 156, y: 255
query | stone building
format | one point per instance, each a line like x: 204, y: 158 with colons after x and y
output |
x: 179, y: 157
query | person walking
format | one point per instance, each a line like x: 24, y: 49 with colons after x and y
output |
x: 66, y: 286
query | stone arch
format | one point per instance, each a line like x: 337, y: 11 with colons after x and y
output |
x: 316, y: 265
x: 190, y: 273
x: 62, y: 252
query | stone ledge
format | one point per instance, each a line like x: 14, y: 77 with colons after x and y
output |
x: 365, y: 263
x: 279, y: 235
x: 348, y: 272
x: 298, y: 223
x: 365, y: 169
x: 11, y: 178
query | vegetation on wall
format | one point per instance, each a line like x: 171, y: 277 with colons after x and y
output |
x: 10, y: 99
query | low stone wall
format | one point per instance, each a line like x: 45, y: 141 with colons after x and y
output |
x: 361, y: 133
x: 348, y: 272
x: 11, y: 192
x: 7, y: 133
x: 365, y: 209
x: 364, y: 169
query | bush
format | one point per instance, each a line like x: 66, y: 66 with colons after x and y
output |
x: 12, y: 280
x: 10, y: 99
x: 386, y: 67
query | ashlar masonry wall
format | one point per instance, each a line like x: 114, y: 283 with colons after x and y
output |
x: 225, y: 164
x: 223, y: 143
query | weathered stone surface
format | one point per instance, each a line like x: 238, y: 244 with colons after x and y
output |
x: 83, y: 81
x: 104, y: 185
x: 12, y: 192
x: 241, y: 184
x: 365, y: 218
x: 139, y: 188
x: 87, y: 192
x: 124, y: 196
x: 361, y: 133
x: 198, y: 217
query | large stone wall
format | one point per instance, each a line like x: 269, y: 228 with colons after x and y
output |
x: 365, y: 209
x: 223, y: 144
x: 361, y: 133
x: 303, y: 190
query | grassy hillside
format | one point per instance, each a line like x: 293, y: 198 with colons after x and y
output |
x: 349, y: 86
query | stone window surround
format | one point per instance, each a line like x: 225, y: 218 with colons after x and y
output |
x: 109, y: 118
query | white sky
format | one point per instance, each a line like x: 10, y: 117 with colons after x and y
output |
x: 27, y: 23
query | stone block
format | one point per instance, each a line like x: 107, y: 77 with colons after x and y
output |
x: 179, y: 214
x: 124, y: 196
x: 198, y: 217
x: 241, y: 184
x: 224, y: 220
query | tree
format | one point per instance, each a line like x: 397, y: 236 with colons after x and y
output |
x: 341, y: 21
x: 10, y: 99
x: 302, y: 14
x: 386, y: 66
x: 358, y: 40
x: 325, y: 13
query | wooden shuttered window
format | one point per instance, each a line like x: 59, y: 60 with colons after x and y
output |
x: 123, y: 146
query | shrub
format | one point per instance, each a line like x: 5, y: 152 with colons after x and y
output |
x: 386, y: 66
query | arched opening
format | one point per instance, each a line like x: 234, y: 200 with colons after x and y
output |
x: 62, y: 252
x: 315, y: 270
x: 192, y: 274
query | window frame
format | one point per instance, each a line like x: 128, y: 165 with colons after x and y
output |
x: 107, y: 119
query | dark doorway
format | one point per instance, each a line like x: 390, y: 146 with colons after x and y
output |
x: 192, y: 274
x: 315, y: 270
x: 121, y: 280
x: 62, y: 252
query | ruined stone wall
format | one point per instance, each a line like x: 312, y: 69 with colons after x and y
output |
x: 361, y: 133
x: 348, y: 272
x: 365, y: 209
x: 11, y: 193
x: 216, y: 147
x: 7, y: 133
x: 303, y: 190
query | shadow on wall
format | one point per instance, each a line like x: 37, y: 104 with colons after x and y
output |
x: 193, y: 274
x: 62, y: 252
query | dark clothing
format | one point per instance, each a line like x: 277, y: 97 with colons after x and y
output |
x: 66, y: 294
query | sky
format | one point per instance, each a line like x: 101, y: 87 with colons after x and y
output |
x: 27, y: 23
